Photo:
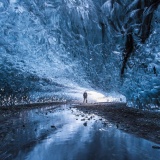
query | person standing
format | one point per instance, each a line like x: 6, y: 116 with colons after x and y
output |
x: 85, y: 97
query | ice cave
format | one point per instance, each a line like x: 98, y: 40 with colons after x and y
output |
x: 54, y: 50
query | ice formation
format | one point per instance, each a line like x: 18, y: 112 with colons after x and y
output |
x: 56, y: 49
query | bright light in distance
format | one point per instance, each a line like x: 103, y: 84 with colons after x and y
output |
x: 99, y: 97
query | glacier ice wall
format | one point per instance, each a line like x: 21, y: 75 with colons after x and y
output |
x: 133, y: 31
x: 50, y: 47
x: 34, y: 62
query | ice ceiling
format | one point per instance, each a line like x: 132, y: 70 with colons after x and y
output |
x: 56, y: 49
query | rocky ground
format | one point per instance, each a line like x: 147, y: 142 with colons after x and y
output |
x: 145, y: 124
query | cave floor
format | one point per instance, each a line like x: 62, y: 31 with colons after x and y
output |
x: 143, y: 123
x: 24, y: 128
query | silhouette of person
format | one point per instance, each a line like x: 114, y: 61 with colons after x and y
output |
x: 85, y: 97
x: 154, y: 70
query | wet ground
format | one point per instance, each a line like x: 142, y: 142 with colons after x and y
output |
x: 65, y: 133
x: 143, y: 123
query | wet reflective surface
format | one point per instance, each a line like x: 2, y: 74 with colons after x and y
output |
x: 64, y: 133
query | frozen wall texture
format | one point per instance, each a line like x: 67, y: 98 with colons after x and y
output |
x: 50, y: 47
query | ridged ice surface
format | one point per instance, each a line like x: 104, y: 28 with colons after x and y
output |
x: 58, y: 48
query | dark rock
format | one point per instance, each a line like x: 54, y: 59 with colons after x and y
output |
x: 12, y: 140
x: 23, y: 125
x: 82, y: 119
x: 85, y: 124
x: 156, y: 147
x: 53, y: 126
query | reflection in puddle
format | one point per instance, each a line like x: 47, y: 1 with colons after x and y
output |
x: 68, y: 134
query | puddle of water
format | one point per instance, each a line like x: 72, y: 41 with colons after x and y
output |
x: 68, y: 134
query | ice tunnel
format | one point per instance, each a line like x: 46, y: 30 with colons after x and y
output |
x: 56, y: 49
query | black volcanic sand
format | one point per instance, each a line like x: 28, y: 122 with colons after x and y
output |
x: 145, y: 124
